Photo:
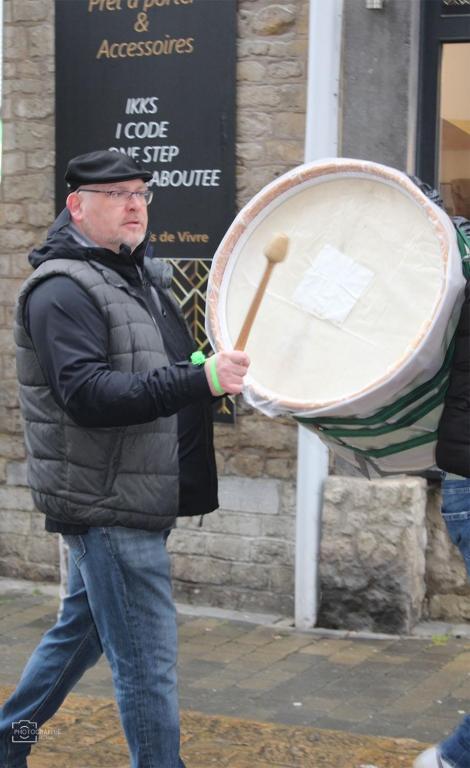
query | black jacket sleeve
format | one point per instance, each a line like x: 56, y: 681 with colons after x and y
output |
x: 69, y: 335
x: 453, y: 437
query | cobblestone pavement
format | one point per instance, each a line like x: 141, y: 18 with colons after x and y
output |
x: 261, y: 694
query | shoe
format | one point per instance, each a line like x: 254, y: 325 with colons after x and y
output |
x: 431, y: 759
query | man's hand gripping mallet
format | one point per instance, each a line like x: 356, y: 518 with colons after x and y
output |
x: 225, y: 370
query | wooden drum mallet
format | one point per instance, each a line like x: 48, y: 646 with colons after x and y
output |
x: 275, y: 252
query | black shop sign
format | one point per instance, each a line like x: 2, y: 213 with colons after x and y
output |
x: 154, y: 79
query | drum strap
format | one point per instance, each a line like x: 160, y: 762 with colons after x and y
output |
x: 464, y: 248
x: 404, y: 445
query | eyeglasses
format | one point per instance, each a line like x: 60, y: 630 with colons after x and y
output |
x: 121, y: 196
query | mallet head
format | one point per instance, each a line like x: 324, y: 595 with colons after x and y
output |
x: 276, y: 250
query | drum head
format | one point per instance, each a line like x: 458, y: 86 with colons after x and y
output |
x: 358, y: 292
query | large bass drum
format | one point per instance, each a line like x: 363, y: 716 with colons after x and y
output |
x: 354, y: 334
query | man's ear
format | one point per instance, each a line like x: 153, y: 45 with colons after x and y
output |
x: 74, y: 205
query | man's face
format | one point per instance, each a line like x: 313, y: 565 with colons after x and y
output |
x: 107, y: 221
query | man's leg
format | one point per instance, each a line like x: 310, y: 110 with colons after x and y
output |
x: 65, y: 652
x: 126, y: 572
x: 456, y: 513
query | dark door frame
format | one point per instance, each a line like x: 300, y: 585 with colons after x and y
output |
x: 440, y: 23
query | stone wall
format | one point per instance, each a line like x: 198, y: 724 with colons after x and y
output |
x: 372, y: 557
x: 447, y: 586
x: 26, y: 208
x: 243, y: 555
x: 386, y: 558
x: 271, y: 91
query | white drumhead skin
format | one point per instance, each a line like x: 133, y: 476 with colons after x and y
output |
x: 299, y: 355
x: 372, y: 273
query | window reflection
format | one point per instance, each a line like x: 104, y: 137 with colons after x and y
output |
x: 454, y: 169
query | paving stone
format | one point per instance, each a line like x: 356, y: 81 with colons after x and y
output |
x: 326, y: 647
x: 463, y: 690
x: 224, y: 653
x: 258, y: 636
x: 460, y: 663
x: 297, y: 663
x: 24, y: 618
x: 266, y: 680
x: 217, y: 682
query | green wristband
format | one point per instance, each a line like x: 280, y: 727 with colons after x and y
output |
x: 198, y: 357
x: 214, y: 377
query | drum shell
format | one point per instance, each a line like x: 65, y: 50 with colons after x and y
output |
x: 423, y: 356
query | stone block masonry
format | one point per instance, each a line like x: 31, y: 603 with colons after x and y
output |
x: 447, y: 584
x: 26, y: 210
x: 373, y: 553
x: 242, y: 556
x: 271, y: 91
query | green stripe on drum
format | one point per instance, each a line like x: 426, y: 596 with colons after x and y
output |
x: 405, y: 421
x: 389, y: 450
x: 388, y: 411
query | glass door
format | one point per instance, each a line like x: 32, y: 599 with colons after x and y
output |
x: 454, y: 133
x: 443, y: 136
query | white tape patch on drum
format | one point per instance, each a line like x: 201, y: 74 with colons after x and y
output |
x: 332, y: 285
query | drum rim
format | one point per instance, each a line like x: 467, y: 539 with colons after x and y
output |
x: 300, y: 176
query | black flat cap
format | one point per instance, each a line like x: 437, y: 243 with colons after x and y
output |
x: 101, y: 167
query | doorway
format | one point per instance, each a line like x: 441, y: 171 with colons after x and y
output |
x: 454, y: 128
x: 443, y: 139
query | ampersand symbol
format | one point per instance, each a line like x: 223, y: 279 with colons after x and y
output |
x: 142, y: 23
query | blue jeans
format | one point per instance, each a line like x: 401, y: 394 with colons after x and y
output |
x: 456, y: 513
x: 119, y: 600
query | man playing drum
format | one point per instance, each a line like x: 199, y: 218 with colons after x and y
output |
x: 119, y: 442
